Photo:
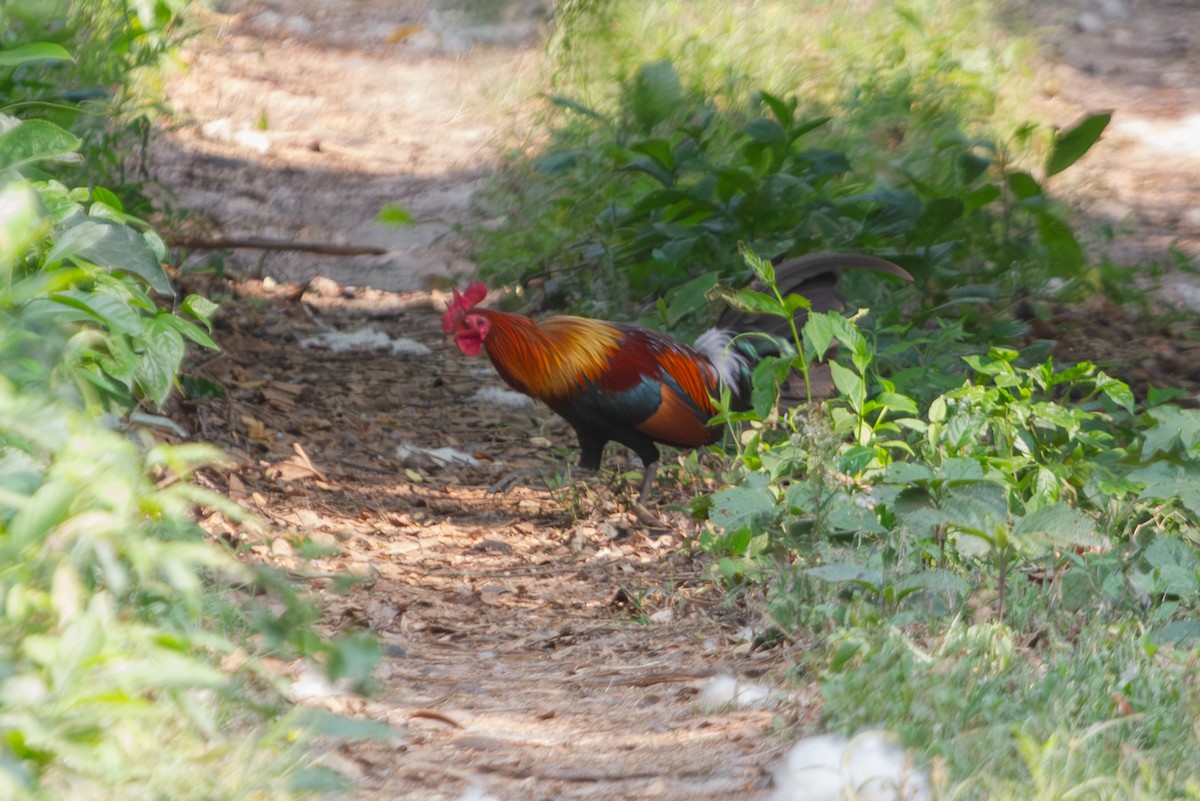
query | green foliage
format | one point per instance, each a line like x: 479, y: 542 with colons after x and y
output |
x: 130, y: 647
x: 80, y: 281
x: 1104, y: 716
x: 1048, y: 471
x: 657, y: 166
x: 88, y: 66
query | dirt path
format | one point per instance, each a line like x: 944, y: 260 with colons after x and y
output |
x: 543, y: 648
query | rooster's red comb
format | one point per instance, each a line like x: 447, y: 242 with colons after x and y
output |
x: 461, y: 304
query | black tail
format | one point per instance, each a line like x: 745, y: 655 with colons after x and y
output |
x: 815, y: 276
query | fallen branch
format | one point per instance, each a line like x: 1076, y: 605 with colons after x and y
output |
x: 260, y: 243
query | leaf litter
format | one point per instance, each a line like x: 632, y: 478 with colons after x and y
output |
x: 550, y: 649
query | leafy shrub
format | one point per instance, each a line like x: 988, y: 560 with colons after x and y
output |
x: 1052, y: 471
x: 90, y: 67
x: 129, y: 654
x: 657, y: 198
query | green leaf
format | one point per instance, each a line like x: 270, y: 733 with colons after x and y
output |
x: 818, y: 334
x: 907, y: 473
x: 41, y: 513
x: 782, y: 110
x: 768, y: 375
x: 932, y: 581
x: 113, y: 246
x: 657, y: 149
x: 35, y: 51
x: 391, y: 214
x: 1023, y: 185
x: 842, y: 572
x: 111, y: 312
x: 318, y: 780
x: 747, y: 300
x: 763, y: 269
x: 1171, y: 425
x: 108, y: 198
x: 765, y: 131
x: 686, y: 301
x: 937, y: 216
x: 1063, y: 248
x: 574, y: 105
x: 1177, y: 631
x: 199, y: 307
x: 1070, y: 145
x: 654, y: 93
x: 741, y: 507
x: 160, y: 361
x: 848, y: 382
x: 1184, y: 489
x: 1058, y: 526
x: 190, y: 331
x: 32, y: 141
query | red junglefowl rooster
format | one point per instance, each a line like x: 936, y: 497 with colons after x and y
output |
x: 620, y: 383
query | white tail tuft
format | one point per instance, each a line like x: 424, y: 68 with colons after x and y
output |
x: 715, y: 344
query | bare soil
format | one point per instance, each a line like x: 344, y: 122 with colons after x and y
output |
x: 544, y: 645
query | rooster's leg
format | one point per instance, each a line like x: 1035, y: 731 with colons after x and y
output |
x: 647, y: 481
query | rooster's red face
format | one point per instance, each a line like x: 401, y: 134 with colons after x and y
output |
x: 469, y: 329
x: 472, y: 330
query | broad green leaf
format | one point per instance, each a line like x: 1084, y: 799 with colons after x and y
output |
x: 654, y: 94
x: 1070, y: 145
x: 764, y: 383
x: 783, y: 110
x: 1059, y: 240
x: 199, y: 307
x: 190, y: 330
x: 689, y: 299
x: 977, y: 507
x: 44, y: 510
x: 1171, y: 425
x: 1177, y: 631
x: 842, y: 572
x: 1116, y: 391
x: 848, y: 382
x: 1057, y: 526
x: 35, y: 51
x: 1023, y: 185
x: 907, y: 473
x: 31, y: 141
x: 765, y: 131
x: 159, y: 364
x: 793, y: 303
x: 1184, y: 489
x: 113, y: 246
x: 107, y: 310
x: 657, y: 149
x: 741, y: 507
x: 818, y: 334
